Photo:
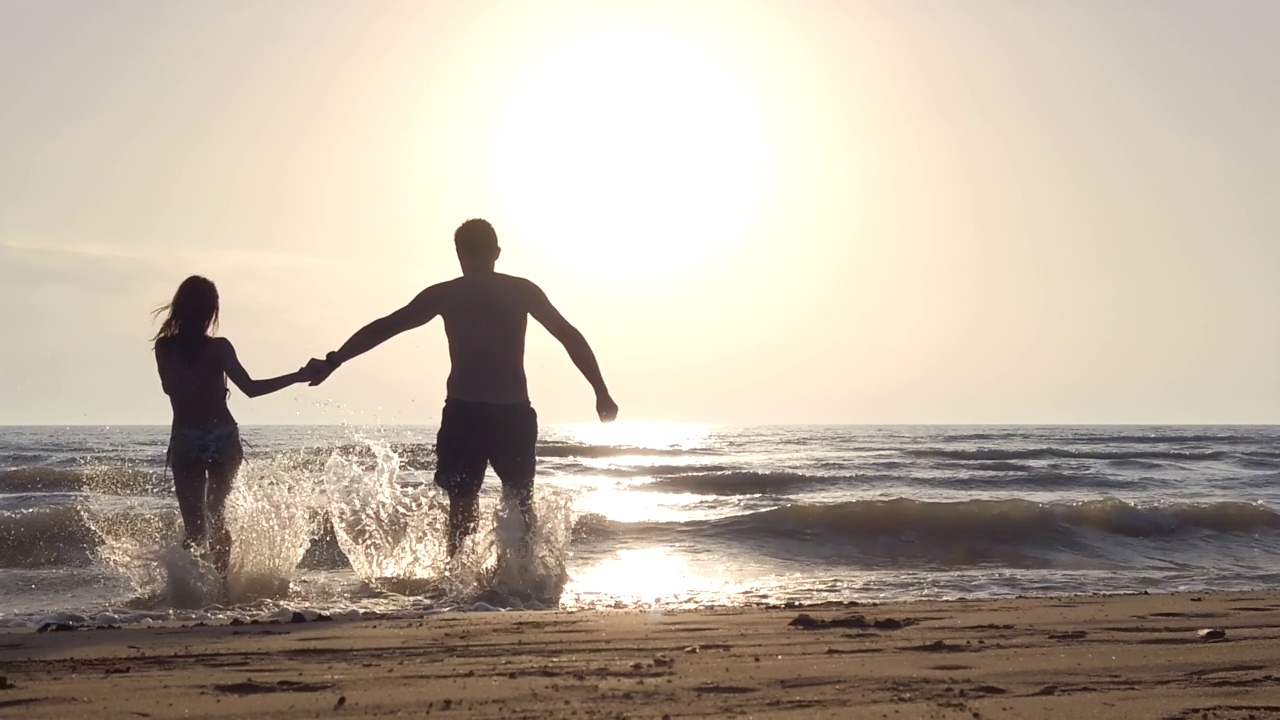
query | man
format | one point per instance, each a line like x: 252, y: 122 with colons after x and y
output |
x: 487, y: 417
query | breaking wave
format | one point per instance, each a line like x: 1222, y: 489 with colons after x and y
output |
x: 1053, y: 453
x: 785, y: 483
x: 737, y: 483
x: 1011, y: 521
x: 116, y: 479
x: 1014, y: 532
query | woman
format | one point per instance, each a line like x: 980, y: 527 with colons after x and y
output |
x: 204, y: 445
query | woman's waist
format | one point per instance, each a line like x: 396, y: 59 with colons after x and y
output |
x: 204, y: 439
x: 204, y: 422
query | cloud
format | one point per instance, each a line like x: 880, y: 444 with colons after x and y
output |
x: 82, y: 253
x: 97, y: 281
x: 29, y: 267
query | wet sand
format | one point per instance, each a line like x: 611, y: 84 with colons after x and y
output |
x: 1135, y: 656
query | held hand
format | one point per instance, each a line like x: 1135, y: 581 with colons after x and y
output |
x: 606, y: 408
x: 316, y: 371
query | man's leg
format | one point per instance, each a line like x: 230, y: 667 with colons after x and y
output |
x: 464, y: 511
x: 513, y: 453
x: 460, y: 464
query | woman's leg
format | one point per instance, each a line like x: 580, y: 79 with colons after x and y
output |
x: 222, y: 475
x: 189, y: 481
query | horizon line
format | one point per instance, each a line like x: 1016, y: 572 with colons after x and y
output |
x: 694, y: 422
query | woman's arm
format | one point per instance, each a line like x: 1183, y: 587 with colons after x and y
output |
x: 238, y: 375
x: 162, y: 367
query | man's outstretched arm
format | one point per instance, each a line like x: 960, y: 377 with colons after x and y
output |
x: 418, y: 312
x: 579, y: 351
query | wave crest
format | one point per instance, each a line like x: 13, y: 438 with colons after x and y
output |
x: 120, y: 479
x: 45, y: 537
x: 1054, y: 453
x: 737, y: 483
x: 1010, y: 521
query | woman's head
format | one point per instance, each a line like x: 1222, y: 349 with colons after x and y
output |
x: 193, y: 312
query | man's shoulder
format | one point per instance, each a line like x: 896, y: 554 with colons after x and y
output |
x: 441, y: 288
x: 515, y: 281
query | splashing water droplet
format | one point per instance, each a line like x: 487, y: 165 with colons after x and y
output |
x: 390, y: 524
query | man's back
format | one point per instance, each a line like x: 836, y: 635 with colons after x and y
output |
x: 485, y: 316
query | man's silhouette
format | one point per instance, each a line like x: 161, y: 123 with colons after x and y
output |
x: 487, y: 417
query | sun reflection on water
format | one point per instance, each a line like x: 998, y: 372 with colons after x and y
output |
x: 646, y: 576
x: 639, y: 576
x: 621, y: 503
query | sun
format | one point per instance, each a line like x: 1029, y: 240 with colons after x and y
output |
x: 635, y: 150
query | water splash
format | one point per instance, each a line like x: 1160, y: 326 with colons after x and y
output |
x: 394, y: 532
x: 134, y: 545
x: 271, y: 513
x: 389, y: 522
x: 391, y: 531
x: 531, y: 572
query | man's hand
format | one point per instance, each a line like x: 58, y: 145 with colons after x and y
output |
x: 316, y: 371
x: 606, y: 408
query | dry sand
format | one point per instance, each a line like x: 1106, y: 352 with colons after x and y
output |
x: 1135, y: 656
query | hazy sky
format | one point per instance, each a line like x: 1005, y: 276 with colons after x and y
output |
x: 757, y: 212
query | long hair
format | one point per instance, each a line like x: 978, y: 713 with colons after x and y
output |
x: 190, y: 316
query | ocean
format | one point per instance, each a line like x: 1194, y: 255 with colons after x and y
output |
x: 346, y: 521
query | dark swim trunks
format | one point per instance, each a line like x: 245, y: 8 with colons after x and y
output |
x: 474, y: 434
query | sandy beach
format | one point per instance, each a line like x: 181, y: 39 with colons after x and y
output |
x: 1135, y: 656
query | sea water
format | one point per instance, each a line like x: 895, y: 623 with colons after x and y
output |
x: 347, y: 521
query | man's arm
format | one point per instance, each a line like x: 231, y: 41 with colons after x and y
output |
x: 579, y: 351
x: 417, y: 313
x: 250, y: 387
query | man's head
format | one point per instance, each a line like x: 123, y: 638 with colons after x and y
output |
x: 477, y: 246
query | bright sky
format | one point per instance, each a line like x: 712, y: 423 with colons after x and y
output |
x: 998, y: 211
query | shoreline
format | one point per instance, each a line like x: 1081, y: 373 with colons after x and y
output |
x: 1124, y: 655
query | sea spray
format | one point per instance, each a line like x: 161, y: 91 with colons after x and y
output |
x: 394, y: 533
x: 190, y: 581
x: 389, y: 530
x: 133, y: 544
x: 272, y: 513
x: 505, y: 565
x: 537, y: 571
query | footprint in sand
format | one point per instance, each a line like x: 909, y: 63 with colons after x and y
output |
x: 250, y: 687
x: 939, y: 646
x: 717, y: 689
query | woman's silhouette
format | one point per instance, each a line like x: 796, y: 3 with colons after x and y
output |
x: 204, y: 445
